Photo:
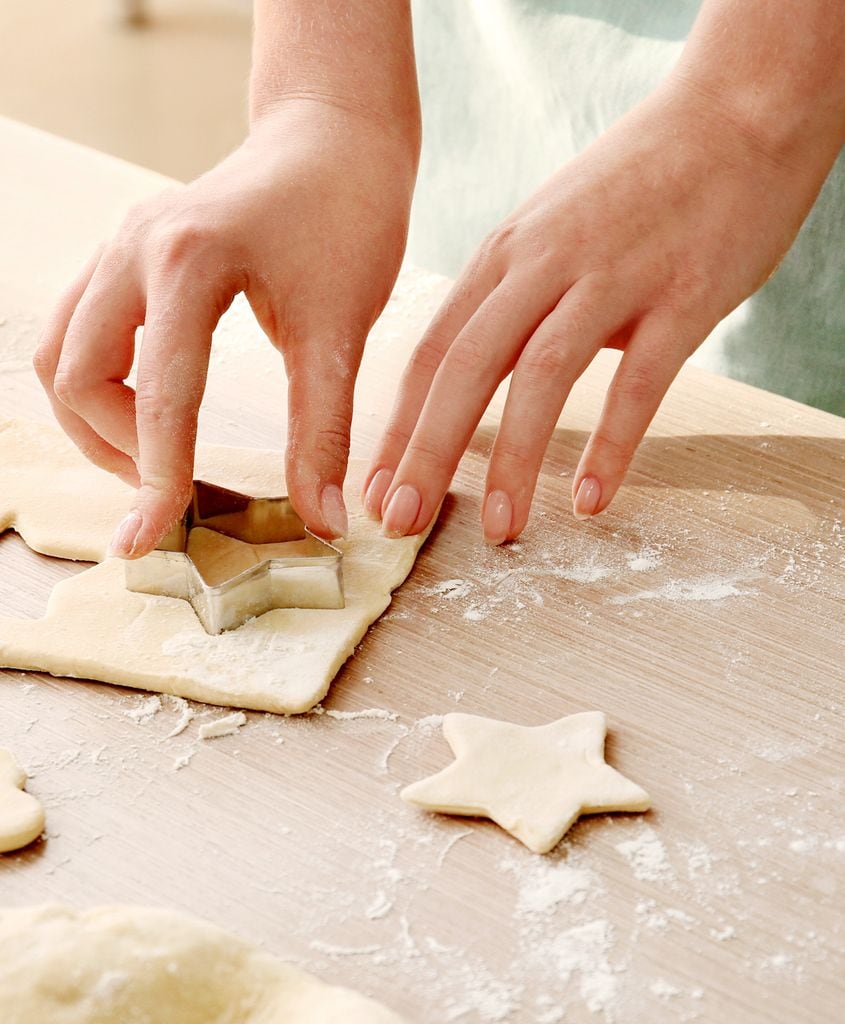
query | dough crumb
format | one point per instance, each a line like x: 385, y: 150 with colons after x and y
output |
x: 186, y: 713
x: 228, y: 725
x: 345, y: 716
x: 148, y: 707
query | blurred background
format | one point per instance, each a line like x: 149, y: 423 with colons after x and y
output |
x: 169, y: 93
x: 511, y: 90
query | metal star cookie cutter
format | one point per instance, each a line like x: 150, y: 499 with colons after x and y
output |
x: 208, y: 559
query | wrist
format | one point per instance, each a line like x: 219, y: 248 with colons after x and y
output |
x: 360, y: 64
x: 400, y: 122
x: 774, y: 74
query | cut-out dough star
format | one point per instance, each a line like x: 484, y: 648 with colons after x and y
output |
x: 21, y: 815
x: 533, y: 781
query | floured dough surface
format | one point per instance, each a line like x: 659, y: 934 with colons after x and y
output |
x: 116, y: 965
x: 21, y: 815
x: 95, y: 628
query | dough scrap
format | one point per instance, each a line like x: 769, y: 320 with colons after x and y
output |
x: 94, y: 628
x: 533, y: 781
x: 113, y: 965
x: 21, y: 815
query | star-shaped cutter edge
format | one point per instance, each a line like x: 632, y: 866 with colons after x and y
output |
x: 313, y: 579
x: 575, y: 739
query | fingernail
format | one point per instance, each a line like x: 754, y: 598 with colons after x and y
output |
x: 402, y: 511
x: 498, y: 512
x: 126, y: 535
x: 374, y: 498
x: 334, y: 510
x: 587, y: 498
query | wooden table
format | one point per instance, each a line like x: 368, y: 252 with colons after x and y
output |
x: 702, y: 612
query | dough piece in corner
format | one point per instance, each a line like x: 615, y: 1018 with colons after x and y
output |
x: 95, y: 628
x: 111, y: 965
x: 21, y: 815
x: 534, y: 781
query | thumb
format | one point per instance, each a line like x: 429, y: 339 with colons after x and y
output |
x: 320, y: 396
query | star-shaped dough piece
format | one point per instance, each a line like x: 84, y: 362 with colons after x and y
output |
x: 533, y: 781
x: 21, y: 815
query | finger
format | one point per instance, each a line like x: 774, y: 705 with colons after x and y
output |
x: 46, y: 360
x: 172, y: 369
x: 468, y: 293
x: 656, y: 352
x: 555, y: 357
x: 320, y: 394
x: 97, y: 354
x: 480, y: 358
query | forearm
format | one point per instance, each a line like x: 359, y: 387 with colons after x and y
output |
x: 357, y: 54
x: 776, y: 68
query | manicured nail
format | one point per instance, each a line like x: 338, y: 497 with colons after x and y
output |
x: 402, y: 511
x: 587, y: 498
x: 374, y: 498
x: 496, y: 522
x: 126, y: 535
x: 334, y: 510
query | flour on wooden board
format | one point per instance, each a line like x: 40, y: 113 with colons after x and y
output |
x: 555, y: 912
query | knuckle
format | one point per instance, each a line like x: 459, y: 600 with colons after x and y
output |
x: 637, y: 387
x: 498, y: 243
x: 136, y: 219
x: 549, y: 361
x: 181, y: 241
x: 395, y: 438
x: 68, y: 388
x: 332, y: 442
x: 169, y: 490
x: 157, y: 408
x: 43, y: 362
x: 428, y: 456
x: 618, y: 449
x: 327, y: 441
x: 512, y: 455
x: 425, y: 360
x: 468, y: 356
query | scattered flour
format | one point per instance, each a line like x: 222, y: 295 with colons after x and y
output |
x: 643, y: 561
x: 450, y: 589
x: 647, y: 856
x: 664, y: 990
x: 708, y: 588
x: 542, y: 886
x: 329, y: 949
x: 586, y: 949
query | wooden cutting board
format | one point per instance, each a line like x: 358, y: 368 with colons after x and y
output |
x: 702, y: 613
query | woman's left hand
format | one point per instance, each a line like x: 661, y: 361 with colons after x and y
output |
x: 643, y: 243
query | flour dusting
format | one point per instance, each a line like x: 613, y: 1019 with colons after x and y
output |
x: 647, y: 856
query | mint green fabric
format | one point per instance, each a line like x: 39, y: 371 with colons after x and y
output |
x: 511, y: 90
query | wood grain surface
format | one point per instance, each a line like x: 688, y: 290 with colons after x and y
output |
x: 702, y: 613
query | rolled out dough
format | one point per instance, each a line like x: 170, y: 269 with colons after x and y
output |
x: 112, y: 965
x: 95, y: 628
x: 21, y: 815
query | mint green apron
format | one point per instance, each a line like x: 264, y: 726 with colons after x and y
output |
x: 511, y: 90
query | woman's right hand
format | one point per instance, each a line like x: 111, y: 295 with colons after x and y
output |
x: 309, y: 218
